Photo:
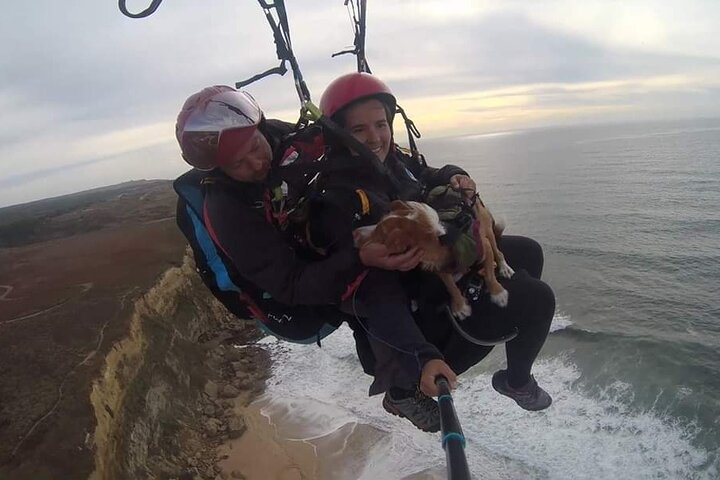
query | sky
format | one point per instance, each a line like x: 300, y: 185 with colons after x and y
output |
x: 89, y: 97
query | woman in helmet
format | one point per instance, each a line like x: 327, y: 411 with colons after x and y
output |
x: 365, y: 107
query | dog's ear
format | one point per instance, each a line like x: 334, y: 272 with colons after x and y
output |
x: 399, y: 233
x: 398, y: 241
x: 387, y: 225
x: 362, y: 234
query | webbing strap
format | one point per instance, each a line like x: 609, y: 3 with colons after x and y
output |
x: 222, y: 276
x: 364, y: 201
x: 358, y: 13
x: 254, y: 309
x: 284, y: 51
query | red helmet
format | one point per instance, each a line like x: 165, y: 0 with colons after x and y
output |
x: 352, y: 87
x: 214, y: 124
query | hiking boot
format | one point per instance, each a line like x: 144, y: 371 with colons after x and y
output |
x: 421, y: 410
x: 530, y: 396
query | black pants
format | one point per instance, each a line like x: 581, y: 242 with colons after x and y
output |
x: 530, y: 309
x: 389, y: 342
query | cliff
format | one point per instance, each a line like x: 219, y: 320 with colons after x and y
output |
x: 115, y: 362
x: 164, y: 401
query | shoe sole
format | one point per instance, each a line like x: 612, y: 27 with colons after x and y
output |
x: 393, y: 411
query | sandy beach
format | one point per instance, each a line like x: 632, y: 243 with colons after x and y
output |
x: 261, y: 454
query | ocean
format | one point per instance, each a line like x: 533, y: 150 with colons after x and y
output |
x: 629, y: 219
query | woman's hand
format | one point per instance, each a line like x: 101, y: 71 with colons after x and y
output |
x: 465, y: 184
x: 377, y: 255
x: 430, y: 371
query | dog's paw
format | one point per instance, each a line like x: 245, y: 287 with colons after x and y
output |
x: 462, y: 311
x: 505, y: 270
x: 500, y: 299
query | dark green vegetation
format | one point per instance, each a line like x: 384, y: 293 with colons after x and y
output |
x: 84, y: 212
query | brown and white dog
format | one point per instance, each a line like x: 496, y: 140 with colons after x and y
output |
x: 414, y: 224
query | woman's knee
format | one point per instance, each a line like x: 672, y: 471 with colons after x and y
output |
x: 547, y: 296
x: 530, y: 300
x: 543, y: 302
x: 523, y: 253
x: 533, y: 250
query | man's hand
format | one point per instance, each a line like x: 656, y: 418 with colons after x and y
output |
x: 465, y: 184
x: 377, y: 255
x: 432, y: 369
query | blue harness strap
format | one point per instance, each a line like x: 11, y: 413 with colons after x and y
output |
x: 222, y: 276
x: 192, y: 193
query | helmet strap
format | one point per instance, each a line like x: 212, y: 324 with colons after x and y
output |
x: 413, y: 133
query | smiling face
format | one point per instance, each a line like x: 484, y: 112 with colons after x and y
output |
x: 251, y: 163
x: 368, y: 122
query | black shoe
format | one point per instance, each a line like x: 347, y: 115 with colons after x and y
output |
x: 421, y: 410
x: 530, y: 396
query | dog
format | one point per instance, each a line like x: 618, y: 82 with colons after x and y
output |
x: 413, y: 224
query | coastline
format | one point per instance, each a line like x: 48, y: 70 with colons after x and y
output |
x: 259, y: 454
x: 247, y: 445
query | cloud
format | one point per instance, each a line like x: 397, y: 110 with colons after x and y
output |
x: 123, y: 141
x: 38, y: 175
x: 687, y: 29
x: 509, y: 49
x: 521, y: 106
x: 84, y: 88
x: 80, y: 142
x: 157, y: 161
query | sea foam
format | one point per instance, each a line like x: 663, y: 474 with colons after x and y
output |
x: 320, y: 395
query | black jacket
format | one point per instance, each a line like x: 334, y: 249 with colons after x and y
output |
x: 262, y: 253
x: 334, y: 215
x: 334, y: 207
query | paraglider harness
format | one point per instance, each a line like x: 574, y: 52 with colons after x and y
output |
x: 298, y: 323
x: 294, y: 323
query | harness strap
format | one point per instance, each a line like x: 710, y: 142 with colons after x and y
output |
x: 354, y: 285
x: 244, y: 297
x: 413, y: 133
x: 268, y: 207
x: 284, y: 51
x: 357, y: 10
x: 364, y: 201
x: 478, y: 240
x: 364, y: 211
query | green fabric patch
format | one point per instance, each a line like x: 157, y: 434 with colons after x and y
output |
x: 448, y: 202
x: 465, y: 251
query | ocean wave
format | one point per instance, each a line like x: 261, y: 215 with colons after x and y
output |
x: 582, y: 436
x: 560, y: 321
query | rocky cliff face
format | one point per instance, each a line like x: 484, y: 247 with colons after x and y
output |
x: 163, y: 402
